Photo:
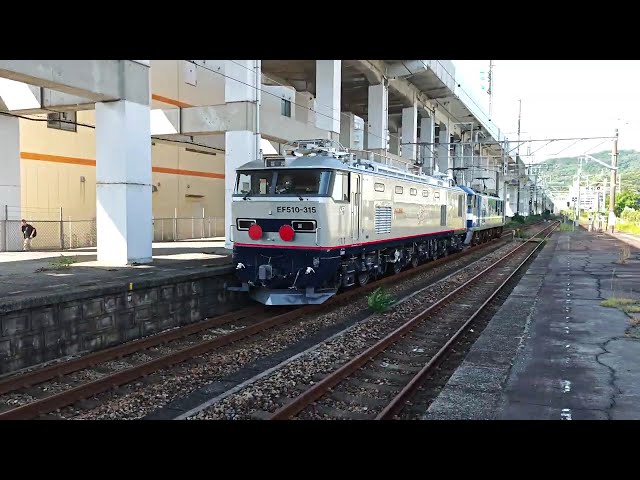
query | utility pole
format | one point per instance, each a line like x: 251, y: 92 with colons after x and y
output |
x: 490, y: 91
x: 614, y: 164
x: 577, y: 221
x: 518, y: 158
x: 519, y: 116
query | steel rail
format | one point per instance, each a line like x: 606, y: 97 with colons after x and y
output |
x: 319, y: 389
x: 398, y: 402
x: 72, y: 395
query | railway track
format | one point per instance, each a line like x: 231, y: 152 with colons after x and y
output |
x: 246, y: 323
x: 383, y: 378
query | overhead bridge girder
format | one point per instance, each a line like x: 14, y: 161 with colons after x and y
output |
x: 96, y: 80
x: 236, y: 116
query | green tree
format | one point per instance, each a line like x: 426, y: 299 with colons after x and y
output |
x: 626, y: 199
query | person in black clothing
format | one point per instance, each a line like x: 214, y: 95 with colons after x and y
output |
x: 28, y: 232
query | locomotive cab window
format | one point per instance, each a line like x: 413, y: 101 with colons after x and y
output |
x: 340, y: 191
x: 254, y: 183
x: 302, y: 182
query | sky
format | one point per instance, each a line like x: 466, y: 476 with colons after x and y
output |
x: 560, y: 99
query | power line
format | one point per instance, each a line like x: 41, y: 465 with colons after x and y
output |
x: 397, y: 137
x: 276, y: 96
x: 93, y: 127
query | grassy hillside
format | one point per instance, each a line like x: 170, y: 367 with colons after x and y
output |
x: 562, y: 170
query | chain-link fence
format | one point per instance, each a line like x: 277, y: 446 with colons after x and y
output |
x: 187, y: 228
x: 67, y: 234
x: 50, y: 235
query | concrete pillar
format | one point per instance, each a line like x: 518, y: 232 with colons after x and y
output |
x: 328, y: 82
x: 455, y: 153
x: 427, y: 126
x: 524, y: 201
x: 10, y: 183
x: 304, y: 108
x: 512, y: 193
x: 378, y: 117
x: 443, y: 150
x: 240, y: 146
x: 352, y: 131
x: 495, y: 178
x: 409, y: 132
x: 467, y: 160
x: 123, y: 183
x: 394, y: 143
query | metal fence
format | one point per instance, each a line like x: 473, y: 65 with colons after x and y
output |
x: 67, y: 234
x: 51, y: 235
x: 187, y: 228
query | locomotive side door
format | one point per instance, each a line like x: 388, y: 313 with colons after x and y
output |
x: 356, y: 205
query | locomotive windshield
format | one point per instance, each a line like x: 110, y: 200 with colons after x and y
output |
x: 283, y: 182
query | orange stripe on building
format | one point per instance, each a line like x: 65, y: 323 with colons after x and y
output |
x: 170, y: 101
x: 191, y: 173
x: 57, y: 159
x: 92, y: 163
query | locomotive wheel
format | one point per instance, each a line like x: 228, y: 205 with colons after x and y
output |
x: 397, y: 267
x: 363, y: 278
x: 415, y: 261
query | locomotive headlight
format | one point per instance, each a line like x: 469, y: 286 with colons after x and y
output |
x: 287, y: 233
x: 316, y: 261
x: 255, y: 232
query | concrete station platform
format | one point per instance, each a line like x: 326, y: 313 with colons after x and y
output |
x: 48, y: 311
x: 552, y: 351
x: 36, y: 273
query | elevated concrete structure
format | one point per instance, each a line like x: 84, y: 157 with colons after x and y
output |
x: 392, y: 96
x: 96, y: 80
x: 9, y: 179
x: 242, y: 145
x: 328, y: 83
x: 235, y: 116
x: 123, y: 182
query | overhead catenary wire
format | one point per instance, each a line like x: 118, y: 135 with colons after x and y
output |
x: 398, y: 137
x: 371, y: 134
x: 93, y: 127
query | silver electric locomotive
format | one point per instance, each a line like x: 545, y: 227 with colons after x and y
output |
x: 310, y: 223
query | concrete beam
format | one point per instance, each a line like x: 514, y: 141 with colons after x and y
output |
x: 206, y: 143
x: 281, y: 129
x: 54, y: 100
x: 236, y: 116
x: 373, y: 70
x: 376, y: 72
x: 405, y: 68
x: 97, y: 80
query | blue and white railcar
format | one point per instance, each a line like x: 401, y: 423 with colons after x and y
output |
x: 485, y: 216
